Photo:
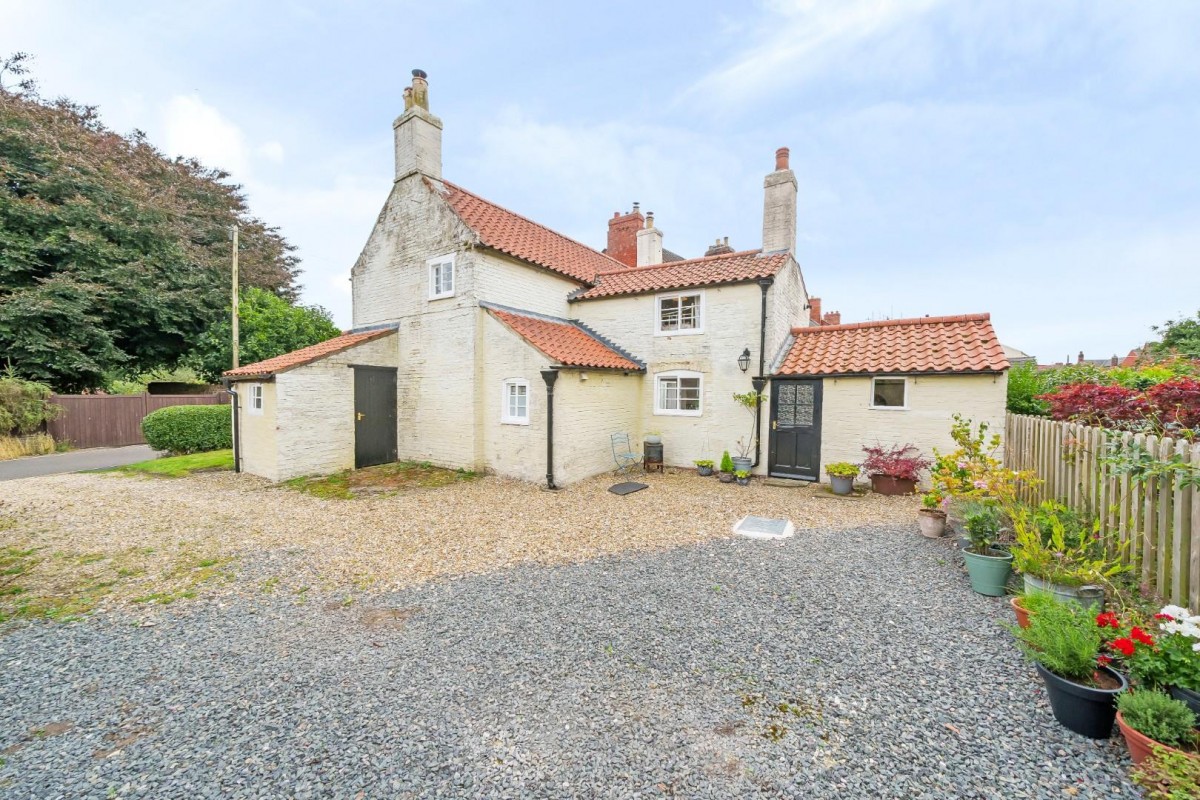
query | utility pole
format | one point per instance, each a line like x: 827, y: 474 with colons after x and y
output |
x: 233, y: 234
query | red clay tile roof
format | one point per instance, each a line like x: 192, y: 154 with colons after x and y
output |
x: 569, y: 343
x: 747, y: 265
x: 924, y: 344
x: 525, y: 239
x: 305, y: 355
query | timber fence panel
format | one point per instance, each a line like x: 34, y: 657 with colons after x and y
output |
x: 100, y: 420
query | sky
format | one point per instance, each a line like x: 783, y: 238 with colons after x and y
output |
x: 1035, y: 160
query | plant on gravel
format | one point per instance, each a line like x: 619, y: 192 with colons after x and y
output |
x: 703, y: 462
x: 1063, y: 638
x: 842, y: 469
x: 903, y: 462
x: 1159, y: 716
x: 982, y: 521
x: 1169, y: 775
x: 726, y: 462
x: 974, y: 470
x: 1047, y: 547
x: 189, y: 429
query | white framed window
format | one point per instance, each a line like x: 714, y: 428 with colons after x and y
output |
x: 514, y: 408
x: 254, y: 400
x: 678, y: 393
x: 441, y: 277
x: 889, y: 393
x: 679, y: 313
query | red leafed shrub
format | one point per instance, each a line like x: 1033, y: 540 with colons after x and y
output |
x: 1177, y: 401
x: 1094, y: 404
x: 899, y: 461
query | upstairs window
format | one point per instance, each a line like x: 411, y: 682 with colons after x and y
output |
x: 515, y: 408
x: 678, y: 393
x: 681, y: 313
x: 255, y: 400
x: 441, y: 277
x: 889, y: 393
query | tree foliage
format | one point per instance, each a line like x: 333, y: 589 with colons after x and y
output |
x: 1180, y: 337
x: 113, y: 257
x: 24, y: 406
x: 267, y: 326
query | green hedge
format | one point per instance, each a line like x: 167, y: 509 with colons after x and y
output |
x: 189, y: 429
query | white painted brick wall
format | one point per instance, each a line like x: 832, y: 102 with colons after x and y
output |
x: 258, y: 446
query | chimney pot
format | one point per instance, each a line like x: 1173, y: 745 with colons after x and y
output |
x: 649, y: 219
x: 781, y: 159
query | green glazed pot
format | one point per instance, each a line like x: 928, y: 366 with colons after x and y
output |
x: 989, y: 573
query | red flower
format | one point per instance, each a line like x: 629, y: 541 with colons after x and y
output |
x: 1108, y: 620
x: 1163, y: 617
x: 1104, y: 661
x: 1141, y: 636
x: 1124, y: 645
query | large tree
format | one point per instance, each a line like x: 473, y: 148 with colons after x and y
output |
x: 268, y: 326
x: 114, y: 258
x: 1180, y: 337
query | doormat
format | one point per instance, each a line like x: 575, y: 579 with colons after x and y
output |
x: 629, y: 487
x: 763, y: 528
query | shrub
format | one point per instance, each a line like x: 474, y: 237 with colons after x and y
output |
x: 1025, y: 383
x: 726, y: 462
x: 39, y: 444
x: 189, y: 429
x: 1062, y: 638
x: 1176, y: 402
x: 982, y: 521
x: 1047, y: 548
x: 903, y: 462
x: 1158, y: 716
x: 842, y: 469
x: 1168, y: 775
x: 24, y: 406
x: 1093, y: 404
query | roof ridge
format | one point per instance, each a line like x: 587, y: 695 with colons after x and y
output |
x: 506, y: 210
x: 664, y: 264
x: 888, y: 323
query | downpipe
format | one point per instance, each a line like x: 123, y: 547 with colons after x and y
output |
x: 550, y: 376
x: 760, y: 381
x: 237, y: 435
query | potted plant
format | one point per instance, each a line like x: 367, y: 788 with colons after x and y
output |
x: 743, y: 477
x: 750, y: 401
x: 704, y: 467
x: 893, y: 470
x: 987, y: 567
x: 1027, y: 605
x: 1059, y: 553
x: 931, y: 517
x: 1147, y: 717
x: 726, y: 474
x: 654, y: 437
x: 1167, y: 659
x: 1168, y: 775
x: 841, y: 476
x: 1064, y: 642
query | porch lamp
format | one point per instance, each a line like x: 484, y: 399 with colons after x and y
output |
x: 744, y: 359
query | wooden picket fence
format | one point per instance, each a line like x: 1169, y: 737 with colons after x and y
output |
x: 1155, y: 524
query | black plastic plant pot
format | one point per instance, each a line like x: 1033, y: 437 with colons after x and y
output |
x: 1192, y: 698
x: 1082, y: 709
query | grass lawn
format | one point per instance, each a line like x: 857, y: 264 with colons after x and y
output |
x: 383, y: 479
x: 182, y: 466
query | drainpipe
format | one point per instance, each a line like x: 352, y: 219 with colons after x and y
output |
x: 759, y: 382
x: 550, y: 376
x: 237, y: 437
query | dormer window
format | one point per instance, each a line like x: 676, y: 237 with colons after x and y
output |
x: 441, y: 277
x: 679, y: 313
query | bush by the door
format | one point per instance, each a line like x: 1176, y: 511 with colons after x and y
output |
x: 189, y: 429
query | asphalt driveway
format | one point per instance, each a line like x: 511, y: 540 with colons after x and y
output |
x: 74, y: 461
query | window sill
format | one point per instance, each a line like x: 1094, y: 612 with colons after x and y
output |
x: 441, y: 296
x: 680, y: 333
x: 658, y: 412
x: 520, y: 422
x: 887, y: 408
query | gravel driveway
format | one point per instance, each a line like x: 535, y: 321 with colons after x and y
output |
x: 850, y: 663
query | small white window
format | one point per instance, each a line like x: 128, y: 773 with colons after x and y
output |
x: 679, y: 314
x: 441, y: 277
x: 255, y: 400
x: 678, y: 393
x: 515, y: 408
x: 889, y: 393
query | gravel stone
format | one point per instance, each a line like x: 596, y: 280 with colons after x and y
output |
x: 847, y: 663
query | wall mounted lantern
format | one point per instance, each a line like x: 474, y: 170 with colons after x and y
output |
x: 744, y: 360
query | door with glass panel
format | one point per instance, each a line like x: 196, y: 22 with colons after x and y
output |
x: 795, y: 437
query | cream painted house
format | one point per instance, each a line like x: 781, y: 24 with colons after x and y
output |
x: 486, y: 341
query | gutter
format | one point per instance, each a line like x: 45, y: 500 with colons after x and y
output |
x: 760, y: 380
x: 237, y: 437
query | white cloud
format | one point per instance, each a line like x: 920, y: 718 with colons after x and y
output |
x: 192, y: 128
x: 271, y: 151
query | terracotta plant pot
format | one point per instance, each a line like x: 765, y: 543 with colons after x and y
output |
x: 1022, y: 614
x: 932, y: 522
x: 1140, y: 744
x: 887, y: 485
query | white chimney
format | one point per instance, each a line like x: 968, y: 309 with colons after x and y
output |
x: 779, y: 206
x: 649, y: 243
x: 418, y: 133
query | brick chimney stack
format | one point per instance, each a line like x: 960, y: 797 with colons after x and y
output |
x: 622, y: 235
x: 814, y: 310
x: 418, y: 133
x: 718, y: 248
x: 649, y: 243
x: 779, y: 206
x: 832, y: 318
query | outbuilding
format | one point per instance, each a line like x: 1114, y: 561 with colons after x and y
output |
x: 891, y: 382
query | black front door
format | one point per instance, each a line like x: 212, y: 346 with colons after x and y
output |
x: 795, y: 449
x: 374, y: 416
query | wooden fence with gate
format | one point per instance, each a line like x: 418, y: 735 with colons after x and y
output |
x: 1158, y: 518
x: 99, y: 420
